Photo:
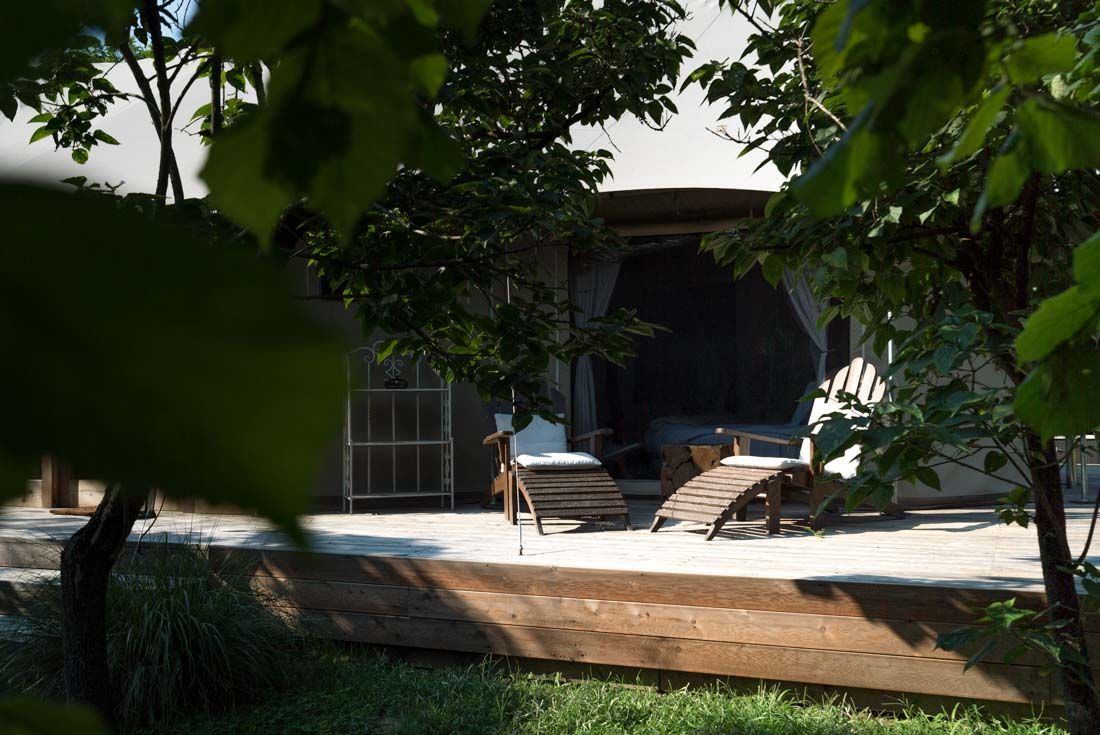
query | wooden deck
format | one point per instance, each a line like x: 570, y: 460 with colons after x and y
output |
x: 857, y: 607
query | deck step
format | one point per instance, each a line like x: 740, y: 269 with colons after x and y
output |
x: 32, y: 553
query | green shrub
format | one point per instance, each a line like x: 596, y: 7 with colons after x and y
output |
x: 185, y: 635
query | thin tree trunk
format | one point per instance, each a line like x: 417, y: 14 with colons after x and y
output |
x: 257, y: 72
x: 1082, y: 706
x: 86, y: 562
x: 216, y: 101
x: 167, y: 171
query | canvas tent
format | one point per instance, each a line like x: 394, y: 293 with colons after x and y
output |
x: 674, y: 183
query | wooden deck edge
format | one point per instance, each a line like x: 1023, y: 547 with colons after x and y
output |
x: 925, y: 602
x: 875, y: 700
x: 905, y: 638
x: 812, y: 632
x: 993, y: 682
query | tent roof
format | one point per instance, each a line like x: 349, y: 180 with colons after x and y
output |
x: 684, y: 155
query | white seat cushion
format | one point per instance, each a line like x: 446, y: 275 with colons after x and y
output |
x: 765, y: 463
x: 557, y: 461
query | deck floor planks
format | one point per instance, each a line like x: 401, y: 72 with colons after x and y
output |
x: 960, y: 547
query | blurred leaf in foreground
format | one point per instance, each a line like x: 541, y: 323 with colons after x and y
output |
x: 148, y: 355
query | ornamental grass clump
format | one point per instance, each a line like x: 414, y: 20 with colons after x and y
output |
x: 186, y: 634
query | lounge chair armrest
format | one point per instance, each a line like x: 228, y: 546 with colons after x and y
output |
x: 618, y: 455
x: 496, y: 437
x: 590, y: 435
x: 594, y: 440
x: 788, y: 441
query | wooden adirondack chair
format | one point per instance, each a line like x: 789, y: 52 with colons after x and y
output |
x: 718, y: 495
x: 550, y: 491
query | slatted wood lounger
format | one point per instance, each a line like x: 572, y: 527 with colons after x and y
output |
x: 724, y: 492
x: 588, y: 493
x: 557, y: 493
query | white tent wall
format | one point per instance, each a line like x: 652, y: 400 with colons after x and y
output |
x: 132, y: 165
x: 959, y: 485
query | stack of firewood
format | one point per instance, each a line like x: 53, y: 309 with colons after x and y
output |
x: 681, y: 462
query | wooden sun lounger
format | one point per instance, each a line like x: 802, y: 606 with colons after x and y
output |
x: 576, y: 493
x: 723, y: 493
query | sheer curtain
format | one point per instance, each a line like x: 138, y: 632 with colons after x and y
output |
x: 592, y: 288
x: 808, y: 310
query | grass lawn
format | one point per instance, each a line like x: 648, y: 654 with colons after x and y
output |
x: 360, y: 692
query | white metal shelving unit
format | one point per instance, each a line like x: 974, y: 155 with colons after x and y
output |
x: 397, y: 430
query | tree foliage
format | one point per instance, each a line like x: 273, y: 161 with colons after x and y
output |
x: 944, y: 171
x: 453, y: 266
x: 173, y: 357
x: 146, y: 344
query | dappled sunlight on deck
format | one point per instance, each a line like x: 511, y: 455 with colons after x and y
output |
x: 965, y: 547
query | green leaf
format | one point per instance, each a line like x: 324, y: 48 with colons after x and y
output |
x: 234, y: 173
x: 1040, y: 56
x: 774, y: 201
x: 162, y: 357
x: 854, y: 168
x: 429, y: 72
x: 463, y: 15
x: 1059, y: 137
x: 973, y: 136
x: 1050, y: 137
x: 39, y: 134
x: 232, y: 25
x: 1051, y: 401
x: 423, y: 11
x: 9, y: 105
x: 439, y: 154
x: 1055, y: 321
x: 958, y: 638
x: 50, y: 24
x: 994, y: 461
x: 928, y: 476
x: 1086, y: 266
x: 1007, y: 176
x: 772, y: 268
x: 840, y: 27
x: 104, y: 137
x: 837, y: 258
x: 80, y: 155
x: 29, y: 716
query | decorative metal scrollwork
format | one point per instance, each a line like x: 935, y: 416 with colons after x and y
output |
x: 392, y: 366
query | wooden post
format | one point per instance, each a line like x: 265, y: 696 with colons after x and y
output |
x: 774, y: 504
x: 59, y: 488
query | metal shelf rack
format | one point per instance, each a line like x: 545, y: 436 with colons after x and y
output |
x: 397, y: 430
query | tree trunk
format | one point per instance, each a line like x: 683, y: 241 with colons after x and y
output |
x: 216, y: 101
x: 1082, y: 706
x: 167, y: 171
x: 86, y: 562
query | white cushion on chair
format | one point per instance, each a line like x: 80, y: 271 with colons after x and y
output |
x: 557, y: 461
x: 764, y: 463
x: 538, y: 437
